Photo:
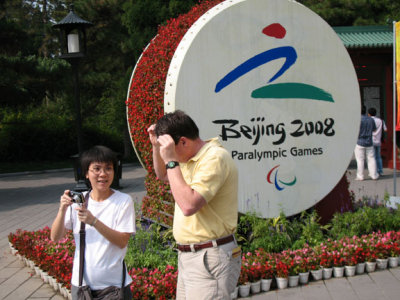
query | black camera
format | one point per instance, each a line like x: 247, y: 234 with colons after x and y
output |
x: 77, y: 197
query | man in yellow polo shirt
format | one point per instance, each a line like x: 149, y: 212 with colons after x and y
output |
x: 204, y: 183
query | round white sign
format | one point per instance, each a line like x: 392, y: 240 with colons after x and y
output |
x: 274, y: 82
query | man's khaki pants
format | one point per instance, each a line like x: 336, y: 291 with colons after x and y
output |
x: 210, y: 273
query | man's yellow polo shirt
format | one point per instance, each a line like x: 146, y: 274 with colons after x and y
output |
x: 213, y: 174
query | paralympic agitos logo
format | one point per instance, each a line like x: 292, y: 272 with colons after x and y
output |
x: 279, y: 184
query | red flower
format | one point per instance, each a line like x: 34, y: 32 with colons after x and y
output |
x: 145, y: 103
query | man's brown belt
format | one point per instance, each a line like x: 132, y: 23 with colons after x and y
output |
x: 197, y: 247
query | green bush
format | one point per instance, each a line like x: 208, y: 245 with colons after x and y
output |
x: 273, y: 235
x: 363, y: 221
x: 47, y: 135
x: 102, y: 136
x: 281, y: 233
x: 35, y: 140
x: 311, y: 233
x: 150, y: 248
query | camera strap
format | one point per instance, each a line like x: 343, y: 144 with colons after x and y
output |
x: 82, y: 242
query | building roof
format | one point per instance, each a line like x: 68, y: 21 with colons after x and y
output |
x: 377, y: 36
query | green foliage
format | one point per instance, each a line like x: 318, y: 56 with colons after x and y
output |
x: 27, y: 80
x: 281, y: 233
x: 35, y: 136
x: 33, y: 77
x: 273, y: 235
x: 150, y: 248
x: 355, y: 12
x: 312, y: 233
x: 142, y: 18
x: 47, y: 133
x: 363, y: 221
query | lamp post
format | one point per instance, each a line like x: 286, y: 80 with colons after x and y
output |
x: 73, y: 49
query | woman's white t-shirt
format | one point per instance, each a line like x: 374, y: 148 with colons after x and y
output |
x: 103, y: 260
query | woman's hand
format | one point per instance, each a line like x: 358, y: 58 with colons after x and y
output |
x: 58, y: 228
x: 118, y: 238
x: 84, y: 215
x: 65, y: 201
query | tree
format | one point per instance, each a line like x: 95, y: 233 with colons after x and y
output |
x: 28, y: 75
x: 355, y: 12
x: 33, y: 77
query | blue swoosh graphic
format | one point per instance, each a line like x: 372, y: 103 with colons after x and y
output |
x: 287, y: 52
x: 276, y: 182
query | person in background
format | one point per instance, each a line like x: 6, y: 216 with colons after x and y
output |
x: 377, y: 137
x: 204, y: 183
x: 364, y: 147
x: 110, y: 215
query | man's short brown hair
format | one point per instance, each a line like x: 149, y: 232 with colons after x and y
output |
x: 177, y: 125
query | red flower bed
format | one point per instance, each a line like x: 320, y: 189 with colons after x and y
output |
x: 151, y: 284
x: 57, y: 258
x: 145, y: 103
x: 54, y: 258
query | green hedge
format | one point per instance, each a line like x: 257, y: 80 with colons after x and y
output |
x: 51, y: 139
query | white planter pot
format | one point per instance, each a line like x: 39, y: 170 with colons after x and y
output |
x: 327, y: 273
x: 266, y: 284
x: 37, y: 270
x: 381, y: 263
x: 370, y: 266
x: 360, y: 268
x: 350, y: 271
x: 244, y: 290
x: 44, y: 276
x: 282, y: 283
x: 338, y: 271
x: 51, y: 281
x: 31, y: 264
x: 393, y: 262
x: 60, y: 287
x: 55, y: 284
x: 316, y: 274
x: 64, y: 292
x: 255, y: 287
x: 293, y: 280
x: 303, y: 277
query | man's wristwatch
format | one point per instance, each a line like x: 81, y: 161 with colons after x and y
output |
x: 171, y: 164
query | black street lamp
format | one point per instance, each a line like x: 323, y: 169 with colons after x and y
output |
x: 73, y: 49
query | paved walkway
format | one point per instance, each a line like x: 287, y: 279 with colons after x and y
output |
x: 30, y: 201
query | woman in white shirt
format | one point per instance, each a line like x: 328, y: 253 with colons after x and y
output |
x: 110, y: 215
